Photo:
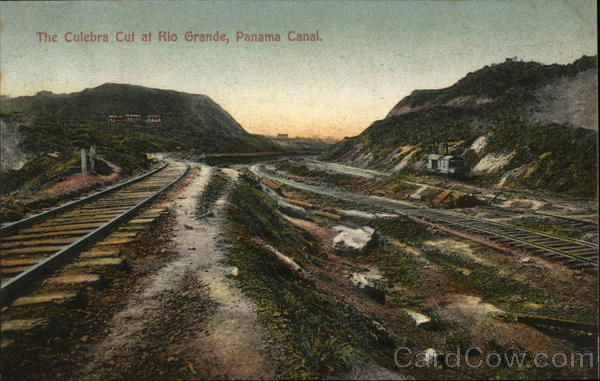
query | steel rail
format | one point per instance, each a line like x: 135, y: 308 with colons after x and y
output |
x: 10, y: 289
x: 528, y: 243
x: 495, y: 233
x: 380, y: 174
x: 511, y: 232
x: 513, y: 227
x: 430, y: 212
x: 12, y: 226
x: 414, y: 211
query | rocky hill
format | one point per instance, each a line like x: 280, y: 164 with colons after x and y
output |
x: 516, y: 124
x: 193, y: 121
x: 46, y: 131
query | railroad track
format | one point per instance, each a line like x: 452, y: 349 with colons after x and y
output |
x: 576, y: 254
x: 370, y: 173
x: 33, y: 247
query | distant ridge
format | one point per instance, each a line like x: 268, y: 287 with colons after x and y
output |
x: 193, y: 120
x: 515, y: 123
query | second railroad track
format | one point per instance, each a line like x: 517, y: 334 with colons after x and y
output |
x: 577, y: 254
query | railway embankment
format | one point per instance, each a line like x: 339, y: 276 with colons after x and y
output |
x: 49, y: 328
x: 218, y: 278
x: 462, y: 288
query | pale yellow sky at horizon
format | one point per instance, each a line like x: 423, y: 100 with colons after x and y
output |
x: 372, y: 54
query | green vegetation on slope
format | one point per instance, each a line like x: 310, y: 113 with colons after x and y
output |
x: 501, y: 288
x: 65, y: 123
x: 214, y: 189
x: 193, y: 121
x: 122, y: 147
x: 561, y: 157
x: 299, y: 169
x: 321, y: 335
x: 509, y: 81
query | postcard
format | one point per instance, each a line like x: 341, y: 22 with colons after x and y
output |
x: 368, y: 190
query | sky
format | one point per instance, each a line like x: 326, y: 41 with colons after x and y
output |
x: 371, y: 54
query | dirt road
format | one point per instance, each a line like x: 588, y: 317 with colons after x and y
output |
x: 225, y: 341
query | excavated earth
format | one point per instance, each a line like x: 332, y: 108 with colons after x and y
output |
x: 173, y: 309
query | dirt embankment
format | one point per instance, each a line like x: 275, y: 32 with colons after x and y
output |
x: 570, y: 100
x: 205, y: 295
x: 18, y: 205
x: 61, y: 348
x: 221, y: 341
x: 457, y: 284
x: 170, y: 310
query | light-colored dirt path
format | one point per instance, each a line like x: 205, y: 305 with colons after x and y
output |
x: 227, y: 342
x: 235, y: 345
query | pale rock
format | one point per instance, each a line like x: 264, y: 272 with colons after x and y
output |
x: 419, y: 318
x: 357, y: 240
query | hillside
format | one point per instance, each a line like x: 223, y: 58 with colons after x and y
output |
x: 517, y: 124
x: 61, y: 124
x: 191, y: 120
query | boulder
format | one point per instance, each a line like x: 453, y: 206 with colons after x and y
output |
x: 354, y: 240
x: 420, y: 320
x: 364, y: 279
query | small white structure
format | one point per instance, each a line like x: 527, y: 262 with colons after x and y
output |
x: 448, y: 164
